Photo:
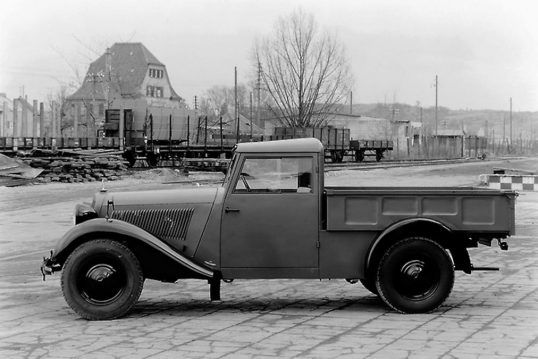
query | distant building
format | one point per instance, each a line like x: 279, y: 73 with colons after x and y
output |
x: 6, y: 116
x: 17, y: 117
x: 127, y: 75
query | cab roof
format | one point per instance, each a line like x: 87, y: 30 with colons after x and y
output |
x: 289, y: 146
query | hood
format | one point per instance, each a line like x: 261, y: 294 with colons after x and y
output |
x: 153, y: 199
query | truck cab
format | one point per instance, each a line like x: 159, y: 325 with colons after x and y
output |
x: 271, y: 210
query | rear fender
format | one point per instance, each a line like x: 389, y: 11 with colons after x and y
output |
x: 410, y: 226
x: 113, y: 228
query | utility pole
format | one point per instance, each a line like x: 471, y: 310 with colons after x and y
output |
x: 108, y: 76
x: 196, y: 117
x: 436, y: 86
x: 259, y: 89
x: 251, y: 116
x: 421, y: 130
x: 92, y: 105
x: 510, y: 122
x: 351, y: 103
x: 504, y: 128
x: 236, y: 117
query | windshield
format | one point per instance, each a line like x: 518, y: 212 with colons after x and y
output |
x: 276, y: 174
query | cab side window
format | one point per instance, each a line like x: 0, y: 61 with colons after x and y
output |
x: 276, y: 175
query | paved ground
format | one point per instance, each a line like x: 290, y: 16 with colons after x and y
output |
x: 488, y: 315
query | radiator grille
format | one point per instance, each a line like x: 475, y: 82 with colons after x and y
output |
x: 162, y: 223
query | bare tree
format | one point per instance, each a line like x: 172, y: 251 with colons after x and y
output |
x: 60, y: 97
x: 221, y: 99
x: 304, y: 70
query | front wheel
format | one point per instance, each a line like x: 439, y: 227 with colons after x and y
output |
x: 415, y: 275
x: 102, y: 279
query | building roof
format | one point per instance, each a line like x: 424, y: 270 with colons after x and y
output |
x: 129, y: 66
x: 449, y: 133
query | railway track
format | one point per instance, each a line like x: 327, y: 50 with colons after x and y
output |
x: 394, y: 163
x: 209, y: 164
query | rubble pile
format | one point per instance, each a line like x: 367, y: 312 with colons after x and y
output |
x: 72, y: 170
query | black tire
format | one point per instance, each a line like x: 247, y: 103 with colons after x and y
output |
x: 378, y: 155
x: 102, y: 279
x: 415, y: 275
x: 152, y: 159
x: 130, y: 156
x: 359, y: 156
x: 334, y: 157
x: 369, y: 283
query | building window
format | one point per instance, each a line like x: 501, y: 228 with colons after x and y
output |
x: 156, y: 74
x: 154, y: 91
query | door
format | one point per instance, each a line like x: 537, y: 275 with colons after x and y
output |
x: 270, y: 215
x: 128, y: 130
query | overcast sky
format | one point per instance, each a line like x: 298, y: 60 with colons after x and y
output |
x: 484, y: 52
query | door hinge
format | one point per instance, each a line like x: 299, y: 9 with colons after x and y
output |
x: 317, y: 244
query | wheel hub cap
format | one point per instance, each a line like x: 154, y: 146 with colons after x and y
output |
x: 102, y: 284
x: 417, y: 279
x: 413, y: 269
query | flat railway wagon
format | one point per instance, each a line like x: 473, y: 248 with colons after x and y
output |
x: 155, y: 134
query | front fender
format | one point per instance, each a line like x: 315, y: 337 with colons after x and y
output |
x: 101, y: 226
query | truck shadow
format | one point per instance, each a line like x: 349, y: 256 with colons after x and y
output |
x: 284, y: 306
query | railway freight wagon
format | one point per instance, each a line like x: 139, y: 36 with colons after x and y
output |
x: 156, y: 133
x: 337, y: 142
x: 334, y: 140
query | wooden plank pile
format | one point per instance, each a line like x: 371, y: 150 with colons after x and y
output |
x: 81, y: 169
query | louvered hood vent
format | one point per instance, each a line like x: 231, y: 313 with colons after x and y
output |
x: 167, y: 224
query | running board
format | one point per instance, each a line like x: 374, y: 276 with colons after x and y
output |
x: 473, y: 268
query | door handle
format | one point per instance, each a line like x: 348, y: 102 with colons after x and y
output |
x: 228, y: 210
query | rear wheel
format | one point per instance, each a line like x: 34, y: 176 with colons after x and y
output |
x: 415, y: 275
x: 102, y: 279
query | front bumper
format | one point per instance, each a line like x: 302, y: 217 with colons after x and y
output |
x: 49, y: 265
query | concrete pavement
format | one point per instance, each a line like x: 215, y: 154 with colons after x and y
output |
x: 488, y: 315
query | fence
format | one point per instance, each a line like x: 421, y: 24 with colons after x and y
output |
x: 437, y: 147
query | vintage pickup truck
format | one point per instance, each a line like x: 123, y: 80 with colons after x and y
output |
x: 272, y: 217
